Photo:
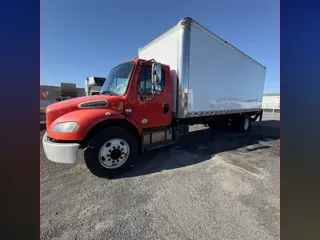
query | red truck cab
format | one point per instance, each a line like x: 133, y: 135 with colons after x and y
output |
x: 113, y: 126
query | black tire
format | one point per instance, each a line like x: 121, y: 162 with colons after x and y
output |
x: 91, y: 153
x: 241, y: 123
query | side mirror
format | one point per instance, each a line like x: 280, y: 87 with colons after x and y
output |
x: 156, y: 78
x: 156, y: 73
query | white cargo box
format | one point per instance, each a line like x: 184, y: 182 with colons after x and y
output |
x: 209, y: 75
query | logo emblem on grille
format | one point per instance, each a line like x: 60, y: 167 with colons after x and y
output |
x: 44, y: 94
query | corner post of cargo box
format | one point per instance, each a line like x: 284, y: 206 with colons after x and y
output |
x: 183, y: 68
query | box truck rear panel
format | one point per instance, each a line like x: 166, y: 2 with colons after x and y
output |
x: 221, y: 78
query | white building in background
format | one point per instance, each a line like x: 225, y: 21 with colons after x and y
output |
x: 271, y: 102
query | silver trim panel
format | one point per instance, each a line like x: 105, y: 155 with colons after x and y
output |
x: 221, y: 112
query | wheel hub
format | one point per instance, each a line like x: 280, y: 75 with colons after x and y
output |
x: 114, y: 153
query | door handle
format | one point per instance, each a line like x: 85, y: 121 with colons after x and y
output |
x: 143, y: 98
x: 165, y: 108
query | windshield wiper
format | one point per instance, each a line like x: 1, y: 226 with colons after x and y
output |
x: 108, y: 92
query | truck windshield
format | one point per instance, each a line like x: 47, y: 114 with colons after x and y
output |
x: 117, y: 80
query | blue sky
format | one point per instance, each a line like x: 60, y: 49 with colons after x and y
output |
x: 82, y: 38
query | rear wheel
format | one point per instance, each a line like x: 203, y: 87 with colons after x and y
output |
x: 242, y: 123
x: 111, y: 152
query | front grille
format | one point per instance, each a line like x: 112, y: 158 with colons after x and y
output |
x: 94, y: 104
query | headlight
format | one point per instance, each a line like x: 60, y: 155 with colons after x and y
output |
x: 66, y: 127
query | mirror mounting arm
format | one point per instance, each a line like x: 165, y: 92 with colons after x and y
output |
x: 150, y: 98
x: 145, y: 61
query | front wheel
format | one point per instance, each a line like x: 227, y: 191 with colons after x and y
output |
x: 111, y: 152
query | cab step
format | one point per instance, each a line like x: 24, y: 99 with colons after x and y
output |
x: 161, y: 144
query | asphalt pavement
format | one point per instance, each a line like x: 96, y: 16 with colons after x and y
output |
x: 212, y: 185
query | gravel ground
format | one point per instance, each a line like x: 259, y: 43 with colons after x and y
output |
x: 212, y: 185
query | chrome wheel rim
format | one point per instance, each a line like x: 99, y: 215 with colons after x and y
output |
x: 246, y: 123
x: 114, y: 153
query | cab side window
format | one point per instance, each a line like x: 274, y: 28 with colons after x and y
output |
x: 144, y: 85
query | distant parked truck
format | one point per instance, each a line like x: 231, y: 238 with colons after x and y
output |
x: 186, y: 76
x: 93, y: 85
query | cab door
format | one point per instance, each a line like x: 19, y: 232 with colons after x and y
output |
x: 152, y: 111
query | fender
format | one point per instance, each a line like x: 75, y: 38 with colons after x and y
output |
x: 134, y: 123
x: 87, y: 119
x: 130, y: 120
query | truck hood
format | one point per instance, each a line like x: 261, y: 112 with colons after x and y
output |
x: 58, y: 109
